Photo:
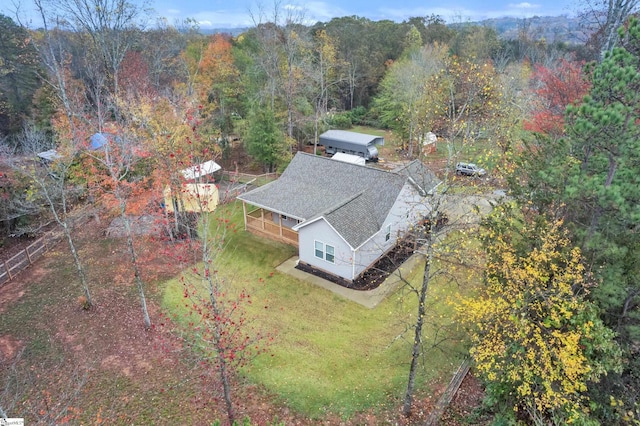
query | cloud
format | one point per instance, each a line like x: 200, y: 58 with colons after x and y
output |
x: 212, y: 19
x: 293, y: 7
x: 524, y: 5
x: 449, y: 14
x: 315, y: 11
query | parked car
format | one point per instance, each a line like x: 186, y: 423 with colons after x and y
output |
x: 469, y: 169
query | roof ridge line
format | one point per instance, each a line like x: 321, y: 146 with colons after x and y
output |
x: 405, y: 166
x: 336, y: 206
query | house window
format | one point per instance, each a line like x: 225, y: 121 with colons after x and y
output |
x: 324, y: 251
x: 330, y: 253
x: 388, y: 233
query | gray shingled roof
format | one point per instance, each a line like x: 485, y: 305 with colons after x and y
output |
x: 353, y: 220
x: 345, y: 135
x: 354, y: 199
x: 420, y: 175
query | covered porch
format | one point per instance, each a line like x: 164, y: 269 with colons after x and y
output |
x: 269, y: 224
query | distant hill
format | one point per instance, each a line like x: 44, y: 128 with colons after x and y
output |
x: 231, y: 31
x: 549, y: 28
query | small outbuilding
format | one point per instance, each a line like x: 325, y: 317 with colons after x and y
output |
x: 354, y: 143
x: 429, y: 143
x: 193, y: 198
x: 198, y: 192
x: 98, y: 141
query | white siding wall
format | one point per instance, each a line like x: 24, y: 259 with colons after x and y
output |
x: 321, y: 231
x: 409, y: 207
x: 406, y: 211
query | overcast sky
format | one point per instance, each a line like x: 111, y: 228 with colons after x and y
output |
x: 237, y: 13
x: 217, y: 13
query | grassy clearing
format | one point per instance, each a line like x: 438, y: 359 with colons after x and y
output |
x: 329, y: 354
x: 368, y: 130
x: 388, y: 151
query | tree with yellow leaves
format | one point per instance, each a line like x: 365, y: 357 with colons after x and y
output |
x: 535, y: 339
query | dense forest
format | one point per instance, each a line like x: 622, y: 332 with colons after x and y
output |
x: 555, y: 325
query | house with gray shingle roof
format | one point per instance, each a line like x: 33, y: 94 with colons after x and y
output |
x: 342, y: 217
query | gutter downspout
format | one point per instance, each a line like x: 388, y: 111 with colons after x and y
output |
x: 353, y: 264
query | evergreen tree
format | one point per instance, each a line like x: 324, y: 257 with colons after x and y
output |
x: 18, y: 75
x: 265, y: 142
x: 602, y: 191
x: 591, y: 178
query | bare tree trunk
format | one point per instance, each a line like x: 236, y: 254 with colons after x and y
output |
x: 78, y: 263
x: 417, y: 340
x: 59, y: 85
x: 617, y: 13
x: 134, y: 262
x: 64, y: 224
x: 628, y: 305
x: 226, y: 389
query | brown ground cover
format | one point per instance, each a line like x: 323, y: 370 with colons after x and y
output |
x: 62, y: 364
x: 100, y: 366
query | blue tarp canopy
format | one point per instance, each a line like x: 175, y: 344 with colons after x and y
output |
x: 98, y: 140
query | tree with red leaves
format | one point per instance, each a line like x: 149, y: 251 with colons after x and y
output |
x: 558, y: 86
x: 135, y: 77
x: 220, y: 329
x: 219, y: 332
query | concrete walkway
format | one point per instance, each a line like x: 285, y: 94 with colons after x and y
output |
x: 370, y: 298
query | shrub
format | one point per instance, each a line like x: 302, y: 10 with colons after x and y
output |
x: 359, y: 115
x: 341, y: 120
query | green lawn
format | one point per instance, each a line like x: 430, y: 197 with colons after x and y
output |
x: 368, y: 130
x: 328, y: 353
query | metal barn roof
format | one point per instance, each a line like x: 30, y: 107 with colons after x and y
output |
x: 353, y: 137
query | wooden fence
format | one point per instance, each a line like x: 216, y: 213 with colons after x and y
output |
x: 230, y: 194
x: 257, y: 180
x: 11, y: 267
x: 239, y: 183
x: 449, y: 393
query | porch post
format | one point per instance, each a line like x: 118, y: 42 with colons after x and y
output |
x: 262, y: 217
x: 244, y: 214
